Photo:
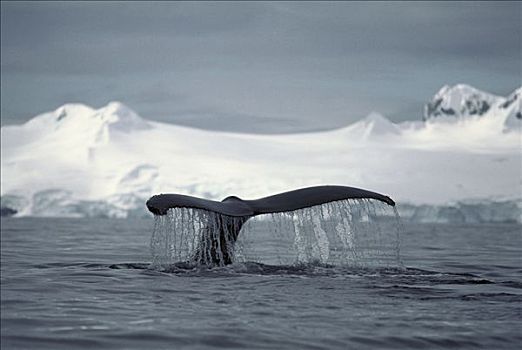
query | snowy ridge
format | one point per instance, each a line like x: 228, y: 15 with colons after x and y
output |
x: 459, y: 101
x: 373, y: 126
x: 79, y: 161
x: 512, y: 107
x: 463, y: 102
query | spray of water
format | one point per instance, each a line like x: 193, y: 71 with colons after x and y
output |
x: 353, y: 232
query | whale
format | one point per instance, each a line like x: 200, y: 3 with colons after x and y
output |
x: 232, y: 212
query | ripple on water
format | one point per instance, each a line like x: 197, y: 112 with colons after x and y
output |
x: 102, y: 293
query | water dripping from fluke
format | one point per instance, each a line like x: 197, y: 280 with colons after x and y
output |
x: 319, y: 226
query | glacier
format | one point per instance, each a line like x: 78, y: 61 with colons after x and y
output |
x: 460, y: 163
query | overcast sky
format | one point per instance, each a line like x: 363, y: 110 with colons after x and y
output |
x: 258, y: 67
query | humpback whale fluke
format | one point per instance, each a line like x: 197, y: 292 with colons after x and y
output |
x: 286, y: 201
x: 225, y: 218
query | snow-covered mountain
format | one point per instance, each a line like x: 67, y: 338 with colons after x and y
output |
x: 461, y: 102
x: 374, y: 126
x: 79, y: 161
x: 512, y: 107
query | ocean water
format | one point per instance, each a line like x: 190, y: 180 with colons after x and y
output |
x: 84, y: 283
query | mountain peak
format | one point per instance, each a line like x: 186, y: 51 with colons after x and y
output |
x: 71, y: 109
x: 61, y: 115
x: 375, y: 117
x: 512, y: 106
x: 380, y: 125
x: 75, y: 120
x: 374, y: 124
x: 457, y: 101
x: 514, y: 97
x: 118, y: 107
x: 120, y: 117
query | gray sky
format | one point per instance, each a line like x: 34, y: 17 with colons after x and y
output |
x: 258, y: 67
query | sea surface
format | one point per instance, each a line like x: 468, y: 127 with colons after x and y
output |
x: 84, y: 284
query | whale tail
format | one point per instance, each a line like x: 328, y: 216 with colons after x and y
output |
x: 213, y: 227
x: 217, y: 240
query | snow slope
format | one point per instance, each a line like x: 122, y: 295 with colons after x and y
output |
x: 78, y: 161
